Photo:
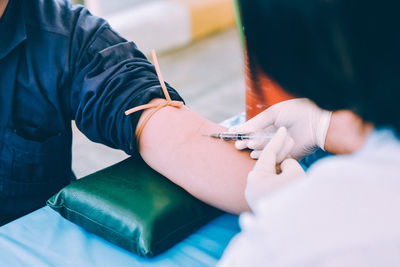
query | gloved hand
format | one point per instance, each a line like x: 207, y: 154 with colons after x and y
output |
x: 306, y: 123
x: 264, y: 178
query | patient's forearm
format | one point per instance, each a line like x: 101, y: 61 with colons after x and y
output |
x: 211, y: 170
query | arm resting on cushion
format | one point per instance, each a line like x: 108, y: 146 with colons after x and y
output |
x: 211, y: 170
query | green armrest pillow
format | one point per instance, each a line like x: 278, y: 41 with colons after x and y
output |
x: 132, y: 206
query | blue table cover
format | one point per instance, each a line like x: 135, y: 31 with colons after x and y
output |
x: 44, y: 238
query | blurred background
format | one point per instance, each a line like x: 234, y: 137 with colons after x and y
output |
x: 200, y: 55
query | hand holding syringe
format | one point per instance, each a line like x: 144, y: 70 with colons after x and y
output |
x: 228, y: 136
x: 254, y: 140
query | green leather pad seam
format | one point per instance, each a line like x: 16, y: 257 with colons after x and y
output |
x: 86, y: 217
x: 200, y: 219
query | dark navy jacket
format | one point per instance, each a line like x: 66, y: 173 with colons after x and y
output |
x: 59, y: 63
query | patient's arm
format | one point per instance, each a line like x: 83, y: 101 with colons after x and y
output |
x: 211, y: 170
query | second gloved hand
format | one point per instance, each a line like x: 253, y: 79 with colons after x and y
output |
x: 306, y: 123
x: 264, y: 178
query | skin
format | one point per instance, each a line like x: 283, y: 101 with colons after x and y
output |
x: 3, y: 5
x: 212, y: 170
x: 346, y: 133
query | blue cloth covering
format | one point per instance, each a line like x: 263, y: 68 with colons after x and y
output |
x: 43, y: 238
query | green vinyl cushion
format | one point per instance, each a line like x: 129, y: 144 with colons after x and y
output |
x: 132, y: 206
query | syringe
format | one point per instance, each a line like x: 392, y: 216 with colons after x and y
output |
x: 228, y: 136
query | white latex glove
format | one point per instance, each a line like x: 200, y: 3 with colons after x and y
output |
x: 306, y: 123
x: 264, y: 179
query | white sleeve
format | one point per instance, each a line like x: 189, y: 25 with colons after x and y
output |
x: 343, y: 214
x: 248, y: 247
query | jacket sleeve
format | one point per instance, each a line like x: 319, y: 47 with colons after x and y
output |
x: 110, y: 76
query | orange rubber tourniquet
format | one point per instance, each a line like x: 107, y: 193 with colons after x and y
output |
x: 168, y: 101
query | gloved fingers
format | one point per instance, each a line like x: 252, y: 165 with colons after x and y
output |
x: 262, y: 139
x: 240, y: 145
x: 267, y: 160
x: 257, y: 144
x: 286, y: 149
x: 257, y: 187
x: 255, y: 154
x: 262, y: 120
x: 251, y: 144
x: 291, y: 168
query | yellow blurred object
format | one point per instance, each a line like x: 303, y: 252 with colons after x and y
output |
x: 209, y: 16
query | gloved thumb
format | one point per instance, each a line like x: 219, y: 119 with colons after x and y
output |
x: 262, y: 120
x: 282, y: 154
x: 291, y: 168
x: 268, y: 158
x: 249, y: 126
